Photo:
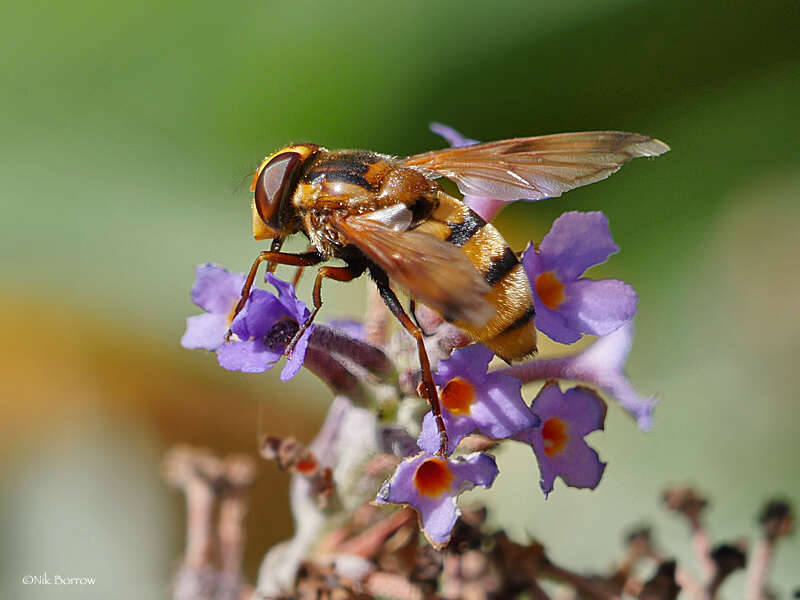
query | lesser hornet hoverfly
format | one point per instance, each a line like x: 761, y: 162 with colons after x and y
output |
x: 388, y: 216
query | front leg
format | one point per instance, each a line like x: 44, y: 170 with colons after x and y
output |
x: 390, y: 298
x: 274, y: 257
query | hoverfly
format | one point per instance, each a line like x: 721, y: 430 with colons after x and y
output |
x: 389, y: 217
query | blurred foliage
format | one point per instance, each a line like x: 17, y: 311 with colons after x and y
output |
x: 127, y: 130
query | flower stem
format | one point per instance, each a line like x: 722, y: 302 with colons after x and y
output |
x: 335, y: 374
x: 580, y: 583
x: 363, y: 354
x: 377, y: 318
x: 758, y: 568
x: 552, y: 368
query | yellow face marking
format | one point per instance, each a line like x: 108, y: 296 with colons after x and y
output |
x: 433, y: 477
x: 261, y: 231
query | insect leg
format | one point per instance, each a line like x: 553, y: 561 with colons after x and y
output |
x: 306, y: 259
x: 297, y: 275
x: 412, y: 309
x: 343, y: 274
x: 299, y: 272
x: 390, y: 298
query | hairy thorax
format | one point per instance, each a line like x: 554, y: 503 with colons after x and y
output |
x: 346, y: 183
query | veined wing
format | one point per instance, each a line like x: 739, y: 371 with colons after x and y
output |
x: 429, y: 269
x: 537, y: 167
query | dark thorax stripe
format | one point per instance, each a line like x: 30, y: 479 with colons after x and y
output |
x: 521, y: 321
x: 348, y: 176
x: 500, y: 266
x: 461, y: 233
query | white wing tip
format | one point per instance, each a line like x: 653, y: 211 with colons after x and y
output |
x: 649, y: 147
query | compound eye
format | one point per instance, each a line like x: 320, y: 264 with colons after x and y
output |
x: 272, y: 186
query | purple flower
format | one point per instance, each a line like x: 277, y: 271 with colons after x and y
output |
x: 474, y: 400
x: 217, y: 291
x: 487, y: 208
x: 352, y: 327
x: 453, y: 137
x: 603, y: 365
x: 566, y: 304
x: 264, y: 327
x: 558, y: 444
x: 430, y: 484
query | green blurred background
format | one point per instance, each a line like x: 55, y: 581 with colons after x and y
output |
x: 126, y: 132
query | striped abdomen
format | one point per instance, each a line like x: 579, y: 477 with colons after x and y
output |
x: 510, y: 333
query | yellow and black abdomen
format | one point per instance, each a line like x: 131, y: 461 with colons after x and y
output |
x: 510, y: 333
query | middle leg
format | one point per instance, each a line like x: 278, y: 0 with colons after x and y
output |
x: 390, y: 298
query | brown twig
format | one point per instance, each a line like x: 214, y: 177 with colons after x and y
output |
x: 727, y: 558
x: 377, y: 318
x: 239, y: 474
x: 195, y: 472
x: 579, y: 582
x: 777, y: 520
x: 391, y: 585
x: 662, y: 585
x: 691, y: 505
x: 369, y: 543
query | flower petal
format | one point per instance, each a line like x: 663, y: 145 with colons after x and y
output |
x: 580, y: 406
x: 558, y: 444
x: 453, y: 137
x: 578, y: 465
x: 575, y: 242
x: 474, y: 469
x: 604, y: 363
x: 206, y: 331
x: 438, y: 519
x: 552, y: 324
x: 295, y: 361
x: 495, y: 407
x: 598, y: 307
x: 215, y: 289
x: 501, y: 412
x: 249, y: 356
x: 437, y: 508
x: 470, y: 362
x: 287, y: 296
x: 457, y: 429
x: 258, y: 316
x: 486, y: 208
x: 549, y: 322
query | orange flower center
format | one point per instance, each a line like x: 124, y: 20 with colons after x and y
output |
x: 457, y: 396
x: 554, y: 433
x: 433, y: 477
x: 550, y: 290
x: 307, y: 466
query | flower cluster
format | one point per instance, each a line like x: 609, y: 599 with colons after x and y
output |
x: 478, y: 402
x: 262, y: 329
x: 371, y: 555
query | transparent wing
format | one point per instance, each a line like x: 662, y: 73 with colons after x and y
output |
x: 429, y: 269
x: 537, y: 167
